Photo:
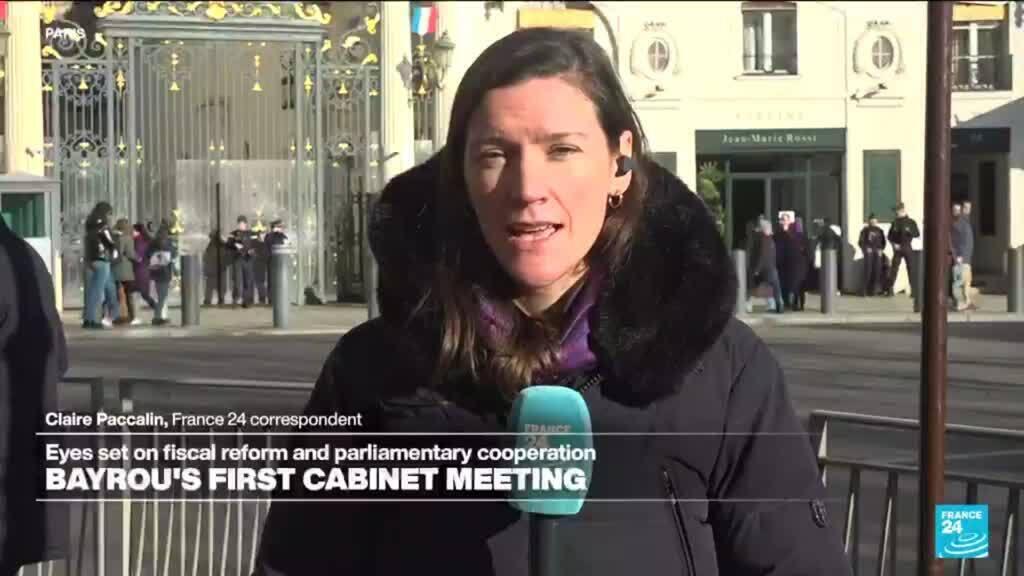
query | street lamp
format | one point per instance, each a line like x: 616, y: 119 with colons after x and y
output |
x: 429, y: 66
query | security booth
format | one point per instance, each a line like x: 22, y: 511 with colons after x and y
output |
x: 30, y: 205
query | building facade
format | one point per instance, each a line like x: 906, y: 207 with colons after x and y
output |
x: 816, y: 107
x: 299, y: 110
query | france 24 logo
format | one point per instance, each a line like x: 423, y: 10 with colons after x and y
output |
x: 961, y: 531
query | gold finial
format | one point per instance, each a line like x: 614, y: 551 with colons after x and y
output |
x: 48, y: 13
x: 179, y: 222
x: 259, y: 228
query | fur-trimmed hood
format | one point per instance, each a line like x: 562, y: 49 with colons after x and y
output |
x: 655, y: 317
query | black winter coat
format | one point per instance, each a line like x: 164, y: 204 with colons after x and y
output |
x: 872, y: 237
x: 793, y: 259
x: 99, y: 242
x: 33, y: 358
x: 741, y: 496
x: 902, y: 233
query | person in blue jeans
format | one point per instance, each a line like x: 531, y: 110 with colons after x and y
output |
x: 100, y: 250
x: 766, y: 269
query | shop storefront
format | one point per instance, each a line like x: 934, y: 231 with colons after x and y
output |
x: 980, y: 174
x: 768, y: 171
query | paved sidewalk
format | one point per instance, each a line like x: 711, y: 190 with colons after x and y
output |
x: 214, y: 320
x: 898, y: 309
x: 339, y: 318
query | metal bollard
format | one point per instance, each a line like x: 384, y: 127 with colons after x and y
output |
x: 828, y: 280
x: 739, y: 259
x: 917, y: 282
x: 1015, y: 282
x: 280, y: 272
x: 191, y: 289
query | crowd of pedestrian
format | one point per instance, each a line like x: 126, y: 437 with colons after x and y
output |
x: 782, y: 257
x: 123, y: 261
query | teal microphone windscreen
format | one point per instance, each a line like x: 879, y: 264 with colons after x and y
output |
x: 554, y: 434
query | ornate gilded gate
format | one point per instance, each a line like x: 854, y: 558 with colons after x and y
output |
x: 198, y: 112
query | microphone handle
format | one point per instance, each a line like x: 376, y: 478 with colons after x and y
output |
x: 543, y: 552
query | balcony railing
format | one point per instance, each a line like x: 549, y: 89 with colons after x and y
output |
x: 983, y: 73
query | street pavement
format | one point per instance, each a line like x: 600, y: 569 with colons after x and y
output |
x: 850, y: 365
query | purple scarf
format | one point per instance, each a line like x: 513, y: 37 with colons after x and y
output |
x: 574, y: 352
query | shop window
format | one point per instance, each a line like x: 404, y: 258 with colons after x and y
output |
x: 987, y: 198
x: 769, y: 38
x: 881, y: 183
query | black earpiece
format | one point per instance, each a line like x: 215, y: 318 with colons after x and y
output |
x: 626, y: 165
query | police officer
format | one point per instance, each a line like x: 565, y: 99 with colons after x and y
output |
x: 872, y: 243
x: 241, y: 243
x: 901, y: 235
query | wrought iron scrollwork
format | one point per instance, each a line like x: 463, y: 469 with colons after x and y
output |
x: 217, y: 11
x: 358, y: 45
x: 84, y: 84
x: 69, y: 41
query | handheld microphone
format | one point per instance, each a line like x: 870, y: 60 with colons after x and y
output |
x: 555, y: 418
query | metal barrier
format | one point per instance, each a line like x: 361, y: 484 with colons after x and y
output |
x: 163, y: 534
x: 820, y: 421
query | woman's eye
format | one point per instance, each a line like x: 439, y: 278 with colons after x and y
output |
x: 562, y: 151
x: 490, y: 155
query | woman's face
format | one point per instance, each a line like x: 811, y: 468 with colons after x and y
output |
x: 539, y: 173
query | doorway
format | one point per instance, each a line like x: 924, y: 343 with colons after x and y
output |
x: 747, y: 201
x: 750, y: 196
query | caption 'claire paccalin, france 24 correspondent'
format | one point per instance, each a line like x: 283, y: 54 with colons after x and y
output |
x: 179, y: 419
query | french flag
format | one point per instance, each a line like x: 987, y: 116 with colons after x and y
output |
x: 424, y: 20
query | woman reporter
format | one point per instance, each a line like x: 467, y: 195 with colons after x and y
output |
x: 542, y: 246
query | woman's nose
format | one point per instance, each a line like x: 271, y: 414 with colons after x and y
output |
x: 530, y: 182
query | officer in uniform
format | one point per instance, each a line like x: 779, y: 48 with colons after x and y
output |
x: 872, y: 243
x: 241, y: 243
x: 901, y: 235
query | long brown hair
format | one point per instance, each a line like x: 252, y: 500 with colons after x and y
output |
x: 466, y: 269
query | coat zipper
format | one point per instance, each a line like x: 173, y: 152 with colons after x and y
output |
x: 680, y: 525
x: 589, y: 382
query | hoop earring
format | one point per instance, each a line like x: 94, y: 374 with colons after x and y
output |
x: 614, y: 201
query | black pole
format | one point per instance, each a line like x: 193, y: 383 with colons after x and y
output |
x: 828, y: 283
x: 936, y: 227
x: 221, y: 288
